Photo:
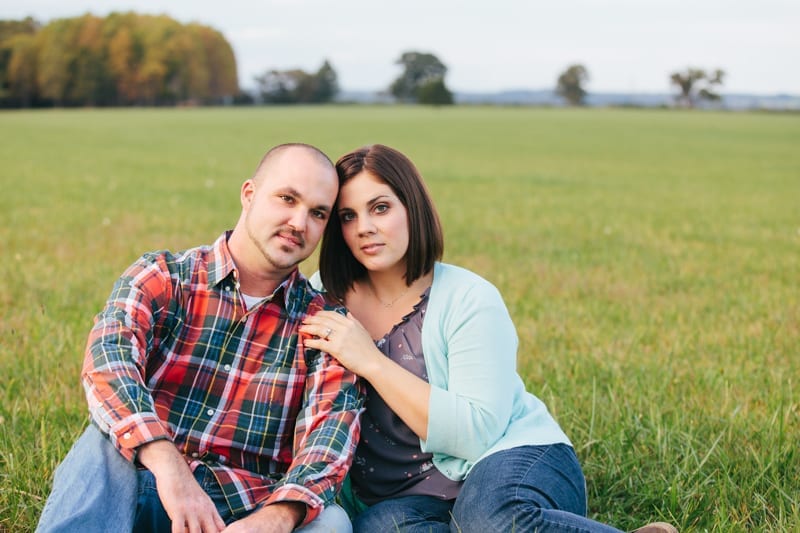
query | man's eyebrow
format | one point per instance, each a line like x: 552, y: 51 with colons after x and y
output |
x: 291, y: 191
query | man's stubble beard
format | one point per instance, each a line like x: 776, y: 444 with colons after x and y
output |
x: 262, y: 247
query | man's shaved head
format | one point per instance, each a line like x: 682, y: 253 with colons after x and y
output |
x: 276, y: 152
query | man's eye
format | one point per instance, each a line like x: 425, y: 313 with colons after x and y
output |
x: 321, y: 215
x: 286, y: 198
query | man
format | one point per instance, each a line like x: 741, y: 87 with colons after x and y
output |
x: 210, y: 410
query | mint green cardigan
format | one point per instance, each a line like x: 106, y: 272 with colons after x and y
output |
x: 478, y: 404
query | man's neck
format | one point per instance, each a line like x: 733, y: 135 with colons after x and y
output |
x: 254, y: 279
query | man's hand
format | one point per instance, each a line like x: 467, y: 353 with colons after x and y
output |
x: 276, y: 518
x: 186, y: 503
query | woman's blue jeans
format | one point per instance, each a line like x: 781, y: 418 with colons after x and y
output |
x: 524, y: 489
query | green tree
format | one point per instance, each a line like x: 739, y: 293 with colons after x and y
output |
x: 419, y: 69
x: 327, y: 84
x: 297, y: 86
x: 696, y: 84
x: 570, y: 84
x: 278, y: 86
x: 434, y: 92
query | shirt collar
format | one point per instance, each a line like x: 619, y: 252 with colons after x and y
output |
x: 220, y: 261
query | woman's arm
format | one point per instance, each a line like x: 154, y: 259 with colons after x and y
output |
x: 471, y: 354
x: 406, y: 394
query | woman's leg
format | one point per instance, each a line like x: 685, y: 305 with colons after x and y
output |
x: 409, y: 514
x: 530, y: 488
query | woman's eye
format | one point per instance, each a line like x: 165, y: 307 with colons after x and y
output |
x: 380, y: 208
x: 346, y: 217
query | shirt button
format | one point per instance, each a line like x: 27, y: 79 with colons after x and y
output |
x: 195, y: 454
x: 227, y: 368
x: 210, y: 412
x: 222, y: 459
x: 227, y: 288
x: 127, y: 435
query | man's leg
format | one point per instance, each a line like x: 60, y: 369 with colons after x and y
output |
x: 94, y: 489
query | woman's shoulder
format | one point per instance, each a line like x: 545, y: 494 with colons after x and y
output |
x: 459, y: 279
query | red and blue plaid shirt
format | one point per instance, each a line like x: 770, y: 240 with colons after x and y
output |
x: 176, y: 355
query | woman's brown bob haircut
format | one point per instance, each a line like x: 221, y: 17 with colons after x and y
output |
x: 337, y: 266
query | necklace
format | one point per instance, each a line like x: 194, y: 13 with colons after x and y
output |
x: 389, y: 304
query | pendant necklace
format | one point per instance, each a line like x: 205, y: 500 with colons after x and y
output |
x: 390, y: 304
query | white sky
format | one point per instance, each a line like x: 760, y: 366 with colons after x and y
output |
x: 627, y: 45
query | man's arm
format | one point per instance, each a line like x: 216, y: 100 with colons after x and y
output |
x: 117, y: 353
x: 185, y: 502
x: 282, y: 517
x: 326, y: 434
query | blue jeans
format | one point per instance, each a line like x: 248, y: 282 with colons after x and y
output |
x: 525, y: 489
x: 151, y: 516
x: 96, y: 490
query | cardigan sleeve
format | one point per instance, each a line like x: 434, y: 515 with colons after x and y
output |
x: 472, y: 408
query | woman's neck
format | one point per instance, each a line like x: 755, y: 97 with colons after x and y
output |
x: 390, y: 288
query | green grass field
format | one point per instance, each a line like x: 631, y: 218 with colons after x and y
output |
x: 650, y: 260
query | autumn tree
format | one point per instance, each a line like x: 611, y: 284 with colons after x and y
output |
x: 121, y: 59
x: 570, y: 84
x: 16, y: 40
x: 421, y: 72
x: 696, y: 84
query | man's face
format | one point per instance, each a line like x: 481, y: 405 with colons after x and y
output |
x: 286, y: 208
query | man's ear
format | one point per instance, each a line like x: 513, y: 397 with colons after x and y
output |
x: 247, y: 192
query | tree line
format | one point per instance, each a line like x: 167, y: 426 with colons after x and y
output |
x: 121, y: 59
x: 133, y: 59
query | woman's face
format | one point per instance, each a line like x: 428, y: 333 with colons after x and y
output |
x: 374, y: 223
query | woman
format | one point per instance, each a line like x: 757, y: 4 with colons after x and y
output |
x: 450, y: 437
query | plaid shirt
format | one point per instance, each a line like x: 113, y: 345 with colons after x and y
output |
x: 175, y: 355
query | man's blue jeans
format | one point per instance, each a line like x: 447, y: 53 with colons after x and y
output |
x: 96, y: 490
x: 525, y: 489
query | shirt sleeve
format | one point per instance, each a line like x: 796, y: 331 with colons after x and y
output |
x: 116, y: 356
x: 325, y: 436
x: 469, y: 414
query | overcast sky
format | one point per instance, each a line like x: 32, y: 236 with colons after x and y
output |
x: 627, y: 45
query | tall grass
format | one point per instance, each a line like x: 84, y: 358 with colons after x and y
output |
x: 650, y: 260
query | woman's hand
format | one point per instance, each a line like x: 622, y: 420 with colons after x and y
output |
x: 345, y: 339
x: 351, y: 344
